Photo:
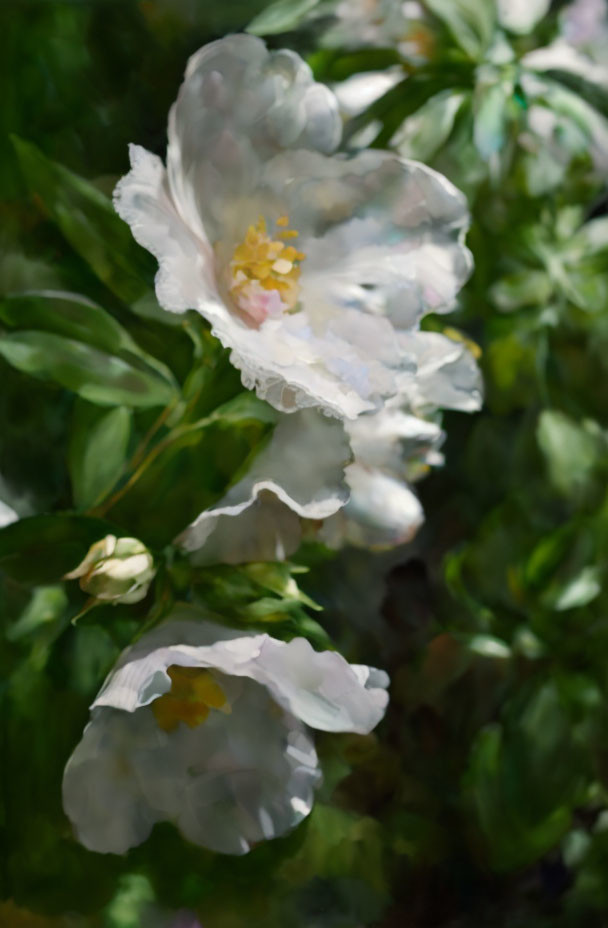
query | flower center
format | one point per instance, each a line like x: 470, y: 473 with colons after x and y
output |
x: 264, y: 271
x: 194, y: 692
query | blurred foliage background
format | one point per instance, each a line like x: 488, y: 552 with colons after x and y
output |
x: 482, y: 799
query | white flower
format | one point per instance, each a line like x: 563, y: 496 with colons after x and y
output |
x: 207, y: 727
x: 311, y: 318
x: 299, y: 475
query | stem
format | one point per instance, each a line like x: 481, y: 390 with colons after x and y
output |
x: 138, y: 454
x: 157, y: 450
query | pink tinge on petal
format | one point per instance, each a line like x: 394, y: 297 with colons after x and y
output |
x: 259, y: 304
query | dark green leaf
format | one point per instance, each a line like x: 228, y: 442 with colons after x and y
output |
x: 98, y: 451
x: 41, y: 549
x: 281, y: 16
x: 93, y: 374
x: 88, y: 221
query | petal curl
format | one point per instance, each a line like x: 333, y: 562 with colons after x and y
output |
x: 319, y: 688
x: 447, y: 375
x: 258, y: 519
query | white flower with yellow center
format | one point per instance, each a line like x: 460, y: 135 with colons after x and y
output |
x: 207, y: 727
x: 307, y: 264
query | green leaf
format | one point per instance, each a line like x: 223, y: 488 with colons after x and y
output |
x: 246, y: 407
x: 75, y: 316
x: 69, y: 314
x: 588, y: 90
x: 93, y: 374
x: 572, y: 451
x: 41, y: 549
x: 88, y: 221
x: 407, y: 98
x: 98, y: 451
x: 471, y: 23
x: 282, y: 16
x: 47, y: 605
x: 490, y: 119
x: 429, y: 128
x: 522, y: 288
x: 580, y: 590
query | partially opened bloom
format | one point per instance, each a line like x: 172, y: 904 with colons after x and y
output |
x: 339, y: 483
x: 298, y: 475
x: 306, y: 263
x: 208, y: 728
x: 396, y: 446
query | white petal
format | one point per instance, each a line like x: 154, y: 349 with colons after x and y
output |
x: 585, y: 23
x: 384, y: 244
x: 258, y: 520
x: 240, y: 104
x: 381, y: 23
x: 447, y: 376
x: 238, y: 779
x: 101, y: 793
x: 185, y: 276
x: 319, y: 688
x: 382, y: 512
x: 261, y: 528
x: 387, y: 439
x: 7, y: 515
x: 376, y: 220
x: 233, y: 781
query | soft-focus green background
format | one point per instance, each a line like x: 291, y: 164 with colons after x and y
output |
x: 482, y: 799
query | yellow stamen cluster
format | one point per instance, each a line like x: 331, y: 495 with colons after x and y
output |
x: 269, y: 263
x: 194, y: 692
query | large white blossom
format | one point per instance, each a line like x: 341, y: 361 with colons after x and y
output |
x: 307, y: 264
x: 208, y: 728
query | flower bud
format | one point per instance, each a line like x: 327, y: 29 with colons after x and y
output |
x: 117, y: 570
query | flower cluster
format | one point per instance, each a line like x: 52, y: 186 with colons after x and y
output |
x: 315, y: 268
